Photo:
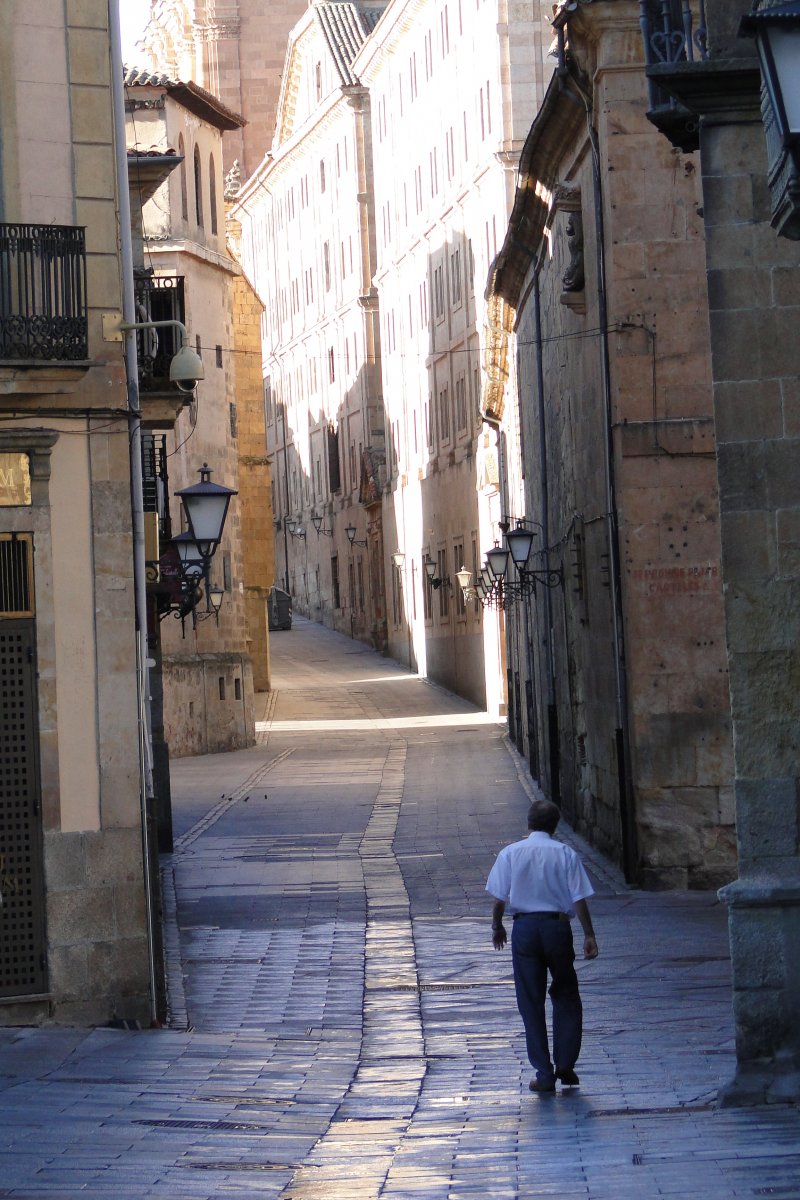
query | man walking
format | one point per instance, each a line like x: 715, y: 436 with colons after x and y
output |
x: 544, y: 884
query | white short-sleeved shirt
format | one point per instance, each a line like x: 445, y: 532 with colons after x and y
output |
x: 539, y: 874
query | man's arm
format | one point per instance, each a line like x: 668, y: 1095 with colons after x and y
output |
x: 589, y: 942
x: 499, y: 937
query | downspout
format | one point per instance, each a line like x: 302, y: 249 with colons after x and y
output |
x: 630, y: 853
x: 553, y: 735
x: 137, y: 496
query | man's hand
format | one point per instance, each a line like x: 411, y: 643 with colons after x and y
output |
x: 590, y: 946
x: 499, y: 936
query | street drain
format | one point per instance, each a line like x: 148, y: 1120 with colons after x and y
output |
x: 674, y: 1111
x: 237, y: 1166
x: 221, y: 1126
x: 248, y: 1101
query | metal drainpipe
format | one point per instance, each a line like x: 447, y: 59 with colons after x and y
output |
x: 553, y: 735
x: 630, y: 856
x: 137, y: 497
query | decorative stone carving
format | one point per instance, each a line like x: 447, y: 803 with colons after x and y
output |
x: 233, y: 181
x: 567, y: 199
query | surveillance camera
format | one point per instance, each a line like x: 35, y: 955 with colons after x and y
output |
x: 186, y: 369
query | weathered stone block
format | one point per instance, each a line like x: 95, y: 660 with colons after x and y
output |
x: 81, y: 916
x: 114, y: 856
x: 742, y: 476
x: 767, y: 820
x: 749, y: 545
x: 64, y: 861
x: 748, y: 411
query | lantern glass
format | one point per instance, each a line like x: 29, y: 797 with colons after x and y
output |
x: 398, y: 558
x: 464, y: 578
x: 350, y: 531
x: 190, y: 554
x: 497, y: 558
x: 430, y: 568
x: 779, y: 50
x: 519, y: 542
x: 206, y: 505
x: 216, y: 595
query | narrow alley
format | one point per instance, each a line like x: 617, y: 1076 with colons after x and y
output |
x: 340, y: 1026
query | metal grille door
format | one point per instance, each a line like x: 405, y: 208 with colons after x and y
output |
x: 22, y: 943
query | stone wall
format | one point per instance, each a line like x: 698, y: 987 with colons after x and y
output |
x: 657, y: 668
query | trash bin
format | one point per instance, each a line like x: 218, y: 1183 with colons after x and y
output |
x: 279, y: 609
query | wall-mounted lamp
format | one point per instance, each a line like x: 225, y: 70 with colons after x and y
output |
x: 316, y: 521
x: 494, y: 587
x: 350, y: 530
x: 776, y: 29
x: 398, y: 558
x: 435, y: 581
x: 206, y: 505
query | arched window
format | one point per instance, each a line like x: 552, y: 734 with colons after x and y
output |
x: 198, y: 188
x: 212, y: 188
x: 184, y: 192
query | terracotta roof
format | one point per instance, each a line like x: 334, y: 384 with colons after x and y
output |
x: 193, y: 97
x: 346, y: 27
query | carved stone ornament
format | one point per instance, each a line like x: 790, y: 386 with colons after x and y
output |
x: 573, y: 278
x: 233, y: 181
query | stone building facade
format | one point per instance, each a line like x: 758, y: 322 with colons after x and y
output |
x: 187, y: 272
x: 453, y: 90
x: 622, y: 704
x: 74, y: 944
x: 308, y: 245
x: 754, y: 301
x: 234, y: 49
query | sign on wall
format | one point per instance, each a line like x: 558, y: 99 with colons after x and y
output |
x: 15, y: 480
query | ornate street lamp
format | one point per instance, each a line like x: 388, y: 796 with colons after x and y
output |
x: 398, y: 558
x: 350, y: 531
x: 206, y: 505
x: 316, y: 521
x: 776, y: 29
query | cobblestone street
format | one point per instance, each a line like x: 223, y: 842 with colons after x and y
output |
x: 340, y: 1025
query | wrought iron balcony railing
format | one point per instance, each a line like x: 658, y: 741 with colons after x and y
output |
x: 158, y: 298
x: 673, y: 32
x: 43, y: 295
x: 155, y: 482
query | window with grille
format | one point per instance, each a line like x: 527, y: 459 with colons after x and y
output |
x: 22, y: 942
x: 16, y: 575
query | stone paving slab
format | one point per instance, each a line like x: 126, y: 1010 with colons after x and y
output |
x: 341, y: 1026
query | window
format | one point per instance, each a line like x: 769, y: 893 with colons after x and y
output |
x: 458, y: 563
x: 360, y: 574
x: 438, y: 291
x: 337, y: 599
x: 444, y: 414
x: 318, y: 81
x: 455, y: 278
x: 212, y: 189
x: 222, y: 687
x: 461, y: 404
x: 334, y: 473
x: 322, y: 175
x: 444, y: 592
x: 233, y: 420
x: 198, y: 188
x: 269, y: 410
x: 326, y: 265
x: 426, y: 590
x: 331, y: 365
x: 184, y: 191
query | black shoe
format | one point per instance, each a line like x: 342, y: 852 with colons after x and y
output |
x: 538, y: 1085
x: 568, y: 1078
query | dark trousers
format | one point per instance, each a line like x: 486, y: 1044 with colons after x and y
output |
x: 539, y: 945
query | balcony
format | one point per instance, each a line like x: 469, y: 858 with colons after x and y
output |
x: 158, y: 298
x: 674, y: 34
x: 43, y: 306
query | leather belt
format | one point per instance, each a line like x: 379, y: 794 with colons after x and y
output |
x: 556, y: 916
